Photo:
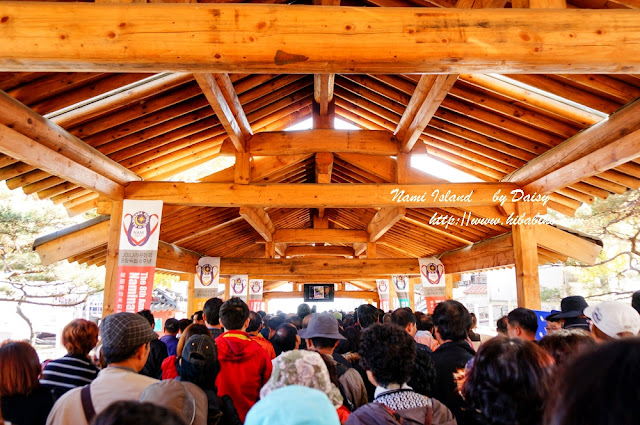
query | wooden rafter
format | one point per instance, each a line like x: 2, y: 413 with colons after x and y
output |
x: 384, y: 219
x: 223, y: 99
x: 259, y: 220
x: 341, y: 39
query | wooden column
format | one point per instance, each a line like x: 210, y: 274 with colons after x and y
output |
x: 227, y: 289
x: 191, y: 281
x: 525, y: 251
x: 403, y: 167
x: 242, y: 169
x: 113, y: 249
x: 412, y: 295
x: 371, y: 250
x: 448, y: 286
x: 270, y: 250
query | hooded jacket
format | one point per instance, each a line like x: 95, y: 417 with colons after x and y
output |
x: 244, y: 368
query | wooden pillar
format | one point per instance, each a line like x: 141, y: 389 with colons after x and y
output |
x: 270, y: 250
x: 525, y: 249
x: 113, y: 249
x: 371, y: 250
x: 412, y: 294
x: 191, y: 301
x: 242, y: 169
x: 448, y: 285
x: 403, y: 167
x: 323, y: 120
x: 227, y: 289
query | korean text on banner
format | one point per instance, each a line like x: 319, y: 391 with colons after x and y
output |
x: 255, y: 294
x: 239, y: 286
x: 137, y: 255
x: 207, y: 278
x: 383, y: 293
x: 433, y: 281
x: 401, y: 285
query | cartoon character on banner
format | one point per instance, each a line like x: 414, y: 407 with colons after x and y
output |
x: 207, y: 273
x: 139, y: 229
x: 399, y: 282
x: 256, y: 286
x: 432, y: 272
x: 239, y: 285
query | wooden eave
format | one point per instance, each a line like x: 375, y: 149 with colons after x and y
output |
x: 160, y: 124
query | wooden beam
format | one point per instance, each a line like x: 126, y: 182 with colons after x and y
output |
x: 24, y: 120
x: 242, y: 168
x: 491, y: 253
x: 371, y: 250
x: 323, y: 91
x: 526, y: 260
x: 23, y: 148
x: 320, y: 195
x: 332, y: 236
x: 427, y: 97
x: 384, y: 220
x: 75, y: 243
x: 46, y: 36
x: 260, y: 221
x: 368, y: 142
x: 223, y: 99
x: 176, y: 259
x: 319, y: 266
x: 319, y: 251
x: 565, y: 243
x: 360, y: 295
x: 113, y: 250
x: 359, y: 248
x: 620, y: 131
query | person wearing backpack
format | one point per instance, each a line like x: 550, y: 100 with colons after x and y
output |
x: 388, y: 354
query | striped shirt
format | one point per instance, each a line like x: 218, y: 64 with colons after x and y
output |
x: 66, y: 373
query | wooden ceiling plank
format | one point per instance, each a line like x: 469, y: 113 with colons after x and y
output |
x: 426, y: 99
x: 220, y: 93
x: 323, y: 140
x: 259, y: 219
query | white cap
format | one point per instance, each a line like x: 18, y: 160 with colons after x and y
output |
x: 613, y: 317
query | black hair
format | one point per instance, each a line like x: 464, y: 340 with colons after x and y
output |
x: 275, y: 322
x: 134, y: 413
x: 211, y: 311
x: 402, y: 317
x: 423, y: 378
x: 295, y: 321
x: 262, y: 313
x: 183, y: 323
x: 303, y: 310
x: 171, y: 326
x: 599, y: 388
x: 348, y: 320
x: 509, y: 382
x: 501, y: 325
x: 367, y: 315
x: 524, y: 318
x: 197, y: 315
x: 234, y: 313
x: 254, y: 321
x: 117, y: 354
x: 635, y: 301
x: 147, y: 315
x: 389, y: 352
x: 425, y: 323
x: 285, y: 338
x: 452, y: 320
x: 566, y: 344
x: 321, y: 342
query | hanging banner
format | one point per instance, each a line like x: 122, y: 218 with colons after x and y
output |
x: 383, y: 293
x: 401, y: 285
x: 207, y: 278
x: 433, y: 281
x: 137, y: 255
x: 239, y: 286
x: 255, y: 294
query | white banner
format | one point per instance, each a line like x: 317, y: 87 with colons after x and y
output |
x: 432, y: 277
x: 401, y: 285
x: 207, y: 277
x: 239, y: 286
x: 255, y: 294
x: 383, y: 293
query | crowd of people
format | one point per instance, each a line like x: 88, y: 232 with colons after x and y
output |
x: 228, y: 365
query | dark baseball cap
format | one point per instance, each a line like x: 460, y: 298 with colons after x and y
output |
x: 200, y: 350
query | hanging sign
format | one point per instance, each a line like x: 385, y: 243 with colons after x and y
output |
x: 207, y: 278
x: 139, y: 235
x: 433, y: 281
x: 239, y: 286
x: 383, y: 293
x: 255, y: 294
x: 401, y: 285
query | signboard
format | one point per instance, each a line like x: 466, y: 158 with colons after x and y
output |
x: 239, y: 286
x: 383, y: 293
x: 401, y: 285
x: 207, y: 278
x: 433, y: 281
x: 256, y: 287
x: 137, y: 255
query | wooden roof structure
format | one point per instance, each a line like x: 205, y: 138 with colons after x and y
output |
x: 107, y: 101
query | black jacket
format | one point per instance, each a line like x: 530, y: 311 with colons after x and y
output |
x: 157, y: 354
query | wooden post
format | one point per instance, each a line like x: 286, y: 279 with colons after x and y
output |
x: 525, y: 250
x: 113, y: 249
x: 448, y: 286
x: 412, y: 295
x: 191, y: 301
x: 242, y: 169
x: 227, y: 289
x: 371, y: 250
x: 270, y: 250
x: 403, y: 167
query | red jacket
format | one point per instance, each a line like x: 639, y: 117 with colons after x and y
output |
x: 244, y: 368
